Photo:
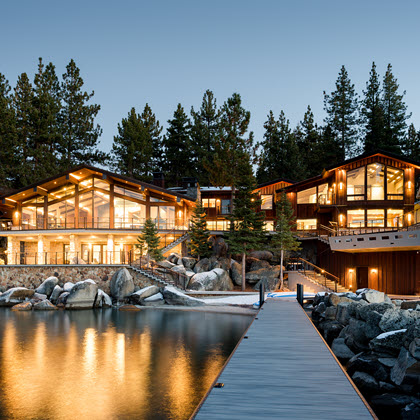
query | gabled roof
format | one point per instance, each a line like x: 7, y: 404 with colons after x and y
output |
x: 275, y: 181
x: 87, y: 170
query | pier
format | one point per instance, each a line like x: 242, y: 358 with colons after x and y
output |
x: 283, y: 369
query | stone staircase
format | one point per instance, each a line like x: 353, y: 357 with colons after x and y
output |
x: 325, y: 283
x: 176, y: 242
x: 158, y: 281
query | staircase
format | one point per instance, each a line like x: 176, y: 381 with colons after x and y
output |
x: 323, y: 238
x: 326, y: 283
x: 160, y: 282
x: 176, y: 242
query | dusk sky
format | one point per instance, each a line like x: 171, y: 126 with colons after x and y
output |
x: 276, y: 54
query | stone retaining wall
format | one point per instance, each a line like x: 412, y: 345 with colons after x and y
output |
x: 32, y: 276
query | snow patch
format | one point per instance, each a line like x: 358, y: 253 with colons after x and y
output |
x: 139, y: 292
x: 387, y: 334
x: 157, y: 296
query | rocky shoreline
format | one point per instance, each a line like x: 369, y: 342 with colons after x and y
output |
x: 378, y: 342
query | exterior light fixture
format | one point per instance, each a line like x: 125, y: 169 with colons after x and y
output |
x: 409, y: 185
x: 341, y: 186
x: 373, y: 270
x: 351, y: 270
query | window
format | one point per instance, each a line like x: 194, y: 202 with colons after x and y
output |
x: 306, y: 224
x: 307, y: 196
x: 375, y: 181
x: 98, y: 183
x: 101, y: 209
x: 225, y: 209
x: 134, y: 194
x: 33, y: 213
x: 376, y: 218
x: 209, y: 202
x: 163, y: 216
x: 355, y: 218
x: 356, y: 184
x: 266, y: 202
x: 64, y: 191
x: 128, y: 214
x: 269, y: 226
x: 394, y: 217
x: 61, y: 214
x: 394, y: 183
x: 85, y: 210
x: 156, y: 200
x: 323, y: 194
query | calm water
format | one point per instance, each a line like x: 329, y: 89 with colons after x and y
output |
x: 107, y: 364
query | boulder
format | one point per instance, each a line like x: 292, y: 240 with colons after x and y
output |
x: 174, y: 296
x: 38, y: 297
x: 332, y: 330
x: 335, y: 299
x: 399, y: 371
x: 410, y: 304
x: 262, y: 255
x: 47, y: 286
x: 368, y: 363
x: 387, y: 361
x: 62, y: 299
x: 165, y: 264
x: 258, y: 264
x: 414, y: 348
x: 341, y: 350
x: 270, y: 274
x: 394, y: 319
x: 155, y: 300
x: 178, y: 269
x: 202, y: 266
x: 189, y: 262
x: 363, y: 309
x: 142, y: 294
x: 15, y: 295
x: 121, y: 284
x: 318, y: 311
x: 390, y: 405
x: 216, y: 280
x: 373, y: 296
x: 44, y: 305
x: 367, y: 384
x: 236, y: 270
x: 223, y: 263
x: 344, y: 311
x: 24, y: 306
x: 388, y: 343
x: 83, y: 295
x: 372, y: 329
x: 173, y: 258
x: 330, y: 313
x: 357, y: 332
x: 220, y: 247
x: 56, y: 293
x: 68, y: 286
x: 102, y: 300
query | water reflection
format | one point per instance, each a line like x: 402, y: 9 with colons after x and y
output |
x: 109, y: 364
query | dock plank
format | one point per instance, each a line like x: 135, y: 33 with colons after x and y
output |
x: 283, y: 370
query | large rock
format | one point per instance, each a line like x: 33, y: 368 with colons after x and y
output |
x: 202, y: 266
x: 56, y: 293
x: 44, y: 305
x: 341, y: 350
x: 47, y: 286
x: 344, y: 312
x: 258, y: 264
x: 373, y: 296
x: 102, y: 300
x: 262, y: 255
x: 140, y: 295
x: 367, y: 384
x: 155, y: 300
x: 62, y: 299
x: 223, y: 263
x: 189, y: 262
x: 165, y: 264
x: 15, y: 295
x: 173, y: 257
x: 363, y: 309
x: 414, y: 348
x: 368, y: 363
x: 388, y: 343
x: 410, y: 304
x: 24, y: 306
x: 82, y: 296
x: 399, y: 371
x: 220, y: 247
x: 173, y: 296
x: 236, y: 270
x: 68, y: 286
x: 121, y: 284
x: 335, y: 299
x: 394, y: 319
x: 331, y: 329
x: 216, y: 280
x: 270, y: 275
x: 391, y: 405
x: 356, y: 331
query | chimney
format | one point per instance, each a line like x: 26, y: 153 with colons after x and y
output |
x: 159, y: 179
x: 191, y: 187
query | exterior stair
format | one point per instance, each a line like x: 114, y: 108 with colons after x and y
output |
x: 148, y: 275
x: 176, y: 242
x: 327, y: 284
x: 323, y: 238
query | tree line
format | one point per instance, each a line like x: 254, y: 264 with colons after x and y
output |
x: 48, y: 125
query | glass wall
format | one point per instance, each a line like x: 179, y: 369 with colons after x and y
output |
x: 376, y: 218
x: 306, y: 224
x: 356, y: 184
x: 138, y: 195
x: 307, y: 196
x: 61, y: 214
x: 33, y: 213
x: 85, y: 210
x: 101, y: 209
x: 225, y: 209
x: 128, y: 214
x: 323, y: 194
x: 266, y: 202
x: 394, y: 217
x: 163, y: 216
x: 375, y: 181
x: 394, y: 183
x: 355, y: 218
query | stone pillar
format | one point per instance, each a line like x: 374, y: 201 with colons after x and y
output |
x: 40, y: 251
x: 110, y: 250
x: 73, y: 250
x: 13, y: 250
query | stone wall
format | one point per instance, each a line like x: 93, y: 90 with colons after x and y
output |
x: 32, y: 276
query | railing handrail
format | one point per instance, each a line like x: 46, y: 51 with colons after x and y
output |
x: 319, y: 268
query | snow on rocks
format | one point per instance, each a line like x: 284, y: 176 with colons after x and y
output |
x: 47, y: 286
x: 15, y: 295
x: 174, y: 296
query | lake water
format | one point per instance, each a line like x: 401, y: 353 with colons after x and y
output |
x: 109, y: 364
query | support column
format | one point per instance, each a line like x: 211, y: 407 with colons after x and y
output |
x: 40, y: 252
x: 73, y: 250
x: 13, y: 250
x: 110, y: 250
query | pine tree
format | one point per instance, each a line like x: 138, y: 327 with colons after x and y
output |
x: 204, y: 131
x: 246, y: 223
x: 79, y: 133
x: 373, y: 113
x: 8, y: 153
x: 23, y: 98
x: 150, y: 238
x: 153, y: 131
x: 341, y: 107
x: 283, y: 240
x: 46, y: 134
x: 177, y: 144
x: 411, y: 146
x: 140, y: 245
x: 199, y: 234
x: 395, y: 114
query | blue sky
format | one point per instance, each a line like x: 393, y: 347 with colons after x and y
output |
x: 276, y: 54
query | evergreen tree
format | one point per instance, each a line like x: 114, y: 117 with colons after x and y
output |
x: 140, y: 245
x: 23, y: 99
x: 46, y: 134
x: 283, y: 239
x: 199, y: 234
x: 153, y: 132
x: 177, y: 144
x: 9, y: 164
x: 373, y: 113
x: 79, y: 133
x: 246, y: 224
x: 395, y: 114
x: 411, y: 146
x: 150, y: 238
x: 341, y: 107
x: 204, y: 132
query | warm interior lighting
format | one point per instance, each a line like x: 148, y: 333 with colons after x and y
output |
x: 351, y: 270
x: 373, y: 270
x: 409, y: 185
x: 341, y: 186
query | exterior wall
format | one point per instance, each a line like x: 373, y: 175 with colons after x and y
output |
x: 33, y: 276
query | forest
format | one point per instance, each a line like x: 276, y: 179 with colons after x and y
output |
x: 47, y: 125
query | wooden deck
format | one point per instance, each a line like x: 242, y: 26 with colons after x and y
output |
x: 283, y: 370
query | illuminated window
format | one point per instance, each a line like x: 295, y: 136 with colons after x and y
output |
x: 355, y: 218
x: 98, y: 183
x: 163, y: 216
x: 129, y: 193
x: 209, y: 202
x: 156, y: 200
x: 269, y: 225
x: 266, y: 202
x: 307, y: 196
x: 394, y: 217
x: 394, y: 183
x: 306, y: 224
x: 376, y: 218
x: 128, y: 214
x: 323, y: 194
x: 375, y: 181
x: 356, y: 184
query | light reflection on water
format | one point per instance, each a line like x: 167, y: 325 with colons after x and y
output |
x: 107, y: 364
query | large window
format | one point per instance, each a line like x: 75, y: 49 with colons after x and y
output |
x: 33, y: 213
x: 129, y: 193
x: 85, y: 210
x: 225, y: 208
x: 394, y: 183
x: 101, y: 209
x: 163, y: 216
x: 356, y: 184
x: 394, y: 217
x: 355, y: 218
x: 266, y: 202
x: 375, y: 181
x: 128, y: 214
x: 376, y: 218
x: 323, y: 194
x: 307, y: 196
x: 61, y: 214
x: 306, y: 224
x: 209, y: 203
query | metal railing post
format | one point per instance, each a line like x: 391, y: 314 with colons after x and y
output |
x: 262, y: 294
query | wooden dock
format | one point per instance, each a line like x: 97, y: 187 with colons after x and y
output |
x: 283, y: 370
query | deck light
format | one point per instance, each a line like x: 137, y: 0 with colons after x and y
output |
x: 373, y: 270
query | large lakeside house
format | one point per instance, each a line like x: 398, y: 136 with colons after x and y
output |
x: 357, y: 220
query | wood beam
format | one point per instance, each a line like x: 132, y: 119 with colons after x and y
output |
x: 72, y: 179
x: 41, y: 191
